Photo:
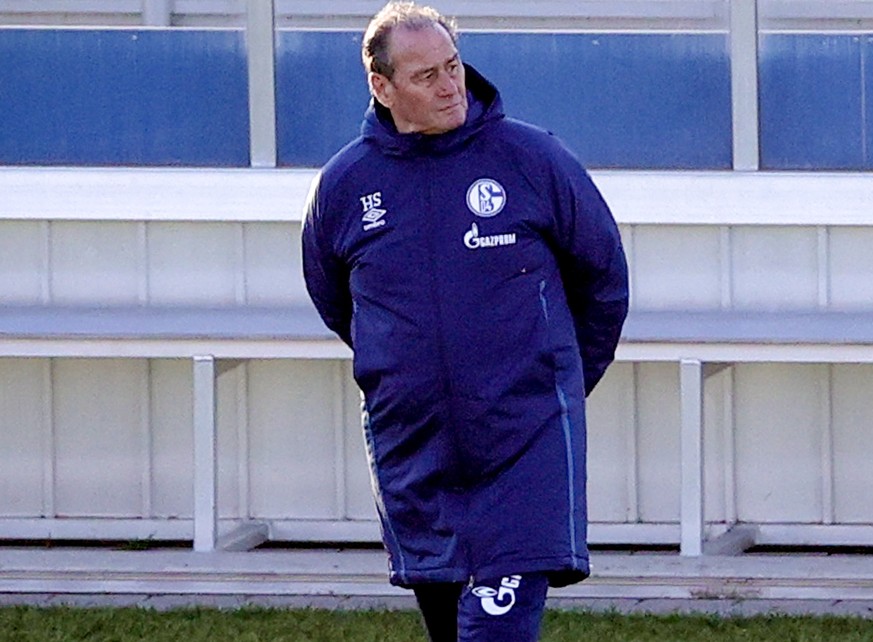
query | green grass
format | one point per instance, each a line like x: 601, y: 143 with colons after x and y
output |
x: 62, y: 624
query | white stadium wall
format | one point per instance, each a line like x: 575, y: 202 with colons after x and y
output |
x: 785, y: 444
x: 103, y: 448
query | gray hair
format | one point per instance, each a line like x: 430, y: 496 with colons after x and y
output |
x: 374, y: 49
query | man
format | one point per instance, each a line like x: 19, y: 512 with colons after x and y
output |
x: 478, y: 276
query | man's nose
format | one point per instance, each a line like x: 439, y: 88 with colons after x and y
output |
x: 447, y: 84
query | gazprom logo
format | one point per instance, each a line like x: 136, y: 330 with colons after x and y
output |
x: 498, y: 601
x: 486, y: 197
x: 473, y: 241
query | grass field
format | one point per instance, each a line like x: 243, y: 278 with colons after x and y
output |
x: 62, y: 624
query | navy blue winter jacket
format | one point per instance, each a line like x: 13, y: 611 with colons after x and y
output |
x: 479, y: 278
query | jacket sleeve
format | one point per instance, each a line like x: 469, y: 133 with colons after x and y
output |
x: 593, y: 267
x: 325, y: 274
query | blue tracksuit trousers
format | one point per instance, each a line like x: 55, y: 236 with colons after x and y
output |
x: 503, y: 609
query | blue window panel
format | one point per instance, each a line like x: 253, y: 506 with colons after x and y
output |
x: 868, y: 92
x: 123, y: 97
x: 321, y: 94
x: 634, y: 101
x: 656, y: 101
x: 811, y: 102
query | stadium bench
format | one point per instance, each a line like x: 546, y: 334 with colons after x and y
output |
x: 215, y: 339
x: 704, y: 343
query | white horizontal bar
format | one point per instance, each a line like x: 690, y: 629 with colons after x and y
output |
x: 101, y: 528
x: 815, y: 534
x: 368, y: 531
x: 599, y: 586
x: 173, y: 349
x: 738, y: 198
x: 315, y: 530
x: 817, y: 9
x: 820, y: 9
x: 327, y: 349
x: 745, y: 352
x: 117, y: 529
x: 154, y: 584
x: 282, y: 530
x: 636, y: 197
x: 153, y: 194
x: 334, y: 349
x: 115, y: 27
x: 633, y: 534
x: 343, y: 573
x: 727, y: 590
x: 501, y: 8
x: 70, y: 6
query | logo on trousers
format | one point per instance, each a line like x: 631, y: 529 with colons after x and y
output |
x: 498, y: 601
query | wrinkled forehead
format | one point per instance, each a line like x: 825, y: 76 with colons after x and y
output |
x: 420, y: 46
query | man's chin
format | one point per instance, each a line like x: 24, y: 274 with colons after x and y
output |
x: 447, y: 124
x: 455, y: 118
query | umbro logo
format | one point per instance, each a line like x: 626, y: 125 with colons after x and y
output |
x: 373, y: 213
x: 373, y: 218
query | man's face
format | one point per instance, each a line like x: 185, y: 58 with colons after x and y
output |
x: 427, y: 93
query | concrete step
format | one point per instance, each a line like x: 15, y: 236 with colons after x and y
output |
x: 661, y: 581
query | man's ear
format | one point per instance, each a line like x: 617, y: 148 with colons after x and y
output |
x: 381, y: 88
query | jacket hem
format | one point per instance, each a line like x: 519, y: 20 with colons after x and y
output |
x: 561, y: 572
x: 410, y: 578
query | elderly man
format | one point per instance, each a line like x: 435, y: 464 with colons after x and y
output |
x: 478, y: 276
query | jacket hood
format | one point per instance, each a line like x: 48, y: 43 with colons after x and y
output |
x: 484, y: 105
